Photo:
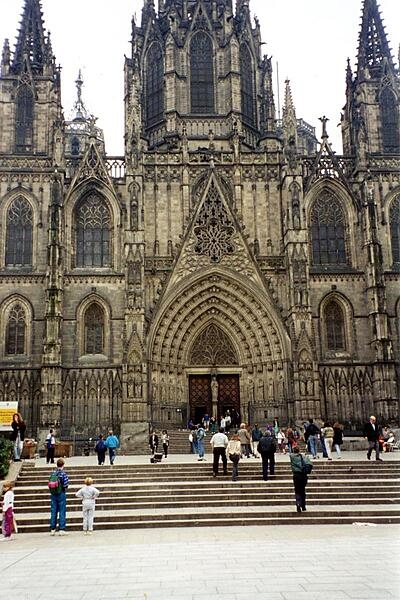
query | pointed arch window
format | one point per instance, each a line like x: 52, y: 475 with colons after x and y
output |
x: 390, y: 118
x: 247, y: 85
x: 16, y: 331
x: 154, y: 85
x: 19, y: 234
x: 94, y: 329
x: 395, y: 229
x: 213, y: 347
x: 75, y: 146
x: 93, y: 233
x: 335, y: 331
x: 24, y: 121
x: 202, y: 94
x: 328, y: 231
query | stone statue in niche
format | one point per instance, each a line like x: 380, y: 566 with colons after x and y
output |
x: 251, y: 390
x: 138, y: 381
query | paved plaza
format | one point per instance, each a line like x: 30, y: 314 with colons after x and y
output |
x: 228, y: 563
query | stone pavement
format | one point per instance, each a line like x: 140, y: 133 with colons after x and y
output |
x: 222, y: 563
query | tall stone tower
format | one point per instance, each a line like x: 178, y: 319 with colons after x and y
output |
x: 228, y: 261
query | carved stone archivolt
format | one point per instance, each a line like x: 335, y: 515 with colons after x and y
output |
x: 233, y: 305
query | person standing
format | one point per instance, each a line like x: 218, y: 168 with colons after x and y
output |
x: 18, y: 427
x: 50, y: 447
x: 89, y: 495
x: 112, y: 443
x: 219, y: 443
x: 165, y: 442
x: 371, y: 433
x: 267, y: 448
x: 153, y: 442
x: 234, y: 451
x: 200, y: 437
x: 300, y: 478
x: 59, y: 501
x: 337, y: 438
x: 100, y: 449
x: 328, y: 434
x: 7, y: 512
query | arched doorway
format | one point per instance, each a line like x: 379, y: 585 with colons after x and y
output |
x: 213, y: 389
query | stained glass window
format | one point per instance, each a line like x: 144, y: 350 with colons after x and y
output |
x: 201, y: 74
x: 24, y: 121
x: 94, y: 330
x: 154, y: 85
x: 334, y: 327
x: 247, y: 85
x: 93, y: 233
x: 395, y: 229
x: 390, y: 117
x: 15, y: 331
x: 19, y: 234
x: 328, y: 231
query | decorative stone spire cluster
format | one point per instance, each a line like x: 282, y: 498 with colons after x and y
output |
x: 33, y: 49
x: 373, y: 48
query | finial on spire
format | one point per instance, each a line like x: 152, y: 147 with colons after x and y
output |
x: 324, y: 121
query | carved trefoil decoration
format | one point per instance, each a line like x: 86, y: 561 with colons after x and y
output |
x: 214, y: 230
x: 213, y: 347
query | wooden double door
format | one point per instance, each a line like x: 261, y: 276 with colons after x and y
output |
x: 200, y: 396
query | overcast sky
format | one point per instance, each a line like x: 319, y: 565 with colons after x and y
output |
x: 309, y: 39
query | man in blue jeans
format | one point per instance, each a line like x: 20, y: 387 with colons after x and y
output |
x: 200, y: 435
x: 59, y: 501
x: 112, y: 443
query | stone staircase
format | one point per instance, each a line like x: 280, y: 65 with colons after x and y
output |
x: 181, y: 495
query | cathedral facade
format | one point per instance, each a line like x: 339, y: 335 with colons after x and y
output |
x: 227, y: 261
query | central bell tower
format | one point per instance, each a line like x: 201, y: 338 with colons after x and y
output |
x: 197, y: 71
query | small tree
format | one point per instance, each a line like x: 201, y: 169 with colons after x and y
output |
x: 5, y: 456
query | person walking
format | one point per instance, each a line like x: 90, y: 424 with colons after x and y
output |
x: 89, y: 494
x: 300, y: 477
x: 245, y: 440
x: 219, y: 443
x: 371, y: 433
x: 7, y: 512
x: 328, y: 434
x: 100, y: 449
x: 200, y: 438
x: 267, y: 448
x: 18, y: 427
x: 165, y: 442
x: 256, y: 435
x: 50, y: 447
x: 112, y: 443
x: 337, y: 438
x: 233, y: 451
x: 311, y: 435
x: 59, y: 500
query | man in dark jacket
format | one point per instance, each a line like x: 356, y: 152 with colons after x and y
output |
x: 371, y: 433
x: 267, y: 448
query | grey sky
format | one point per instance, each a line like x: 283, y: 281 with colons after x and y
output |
x: 310, y: 40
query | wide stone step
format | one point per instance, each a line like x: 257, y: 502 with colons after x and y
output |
x: 129, y: 519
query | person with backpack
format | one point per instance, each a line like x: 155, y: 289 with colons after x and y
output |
x: 301, y: 468
x: 50, y: 447
x: 58, y: 485
x: 100, y: 449
x: 112, y: 443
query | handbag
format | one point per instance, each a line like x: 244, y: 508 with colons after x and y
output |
x: 306, y: 466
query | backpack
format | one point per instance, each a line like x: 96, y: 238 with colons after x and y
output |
x: 307, y: 467
x: 54, y: 484
x: 101, y: 446
x: 49, y: 443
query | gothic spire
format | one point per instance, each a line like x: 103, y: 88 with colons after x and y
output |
x: 373, y: 48
x: 32, y: 47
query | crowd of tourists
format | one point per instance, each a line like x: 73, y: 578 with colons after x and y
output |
x: 230, y: 441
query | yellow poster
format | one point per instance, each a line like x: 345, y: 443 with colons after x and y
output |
x: 7, y: 410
